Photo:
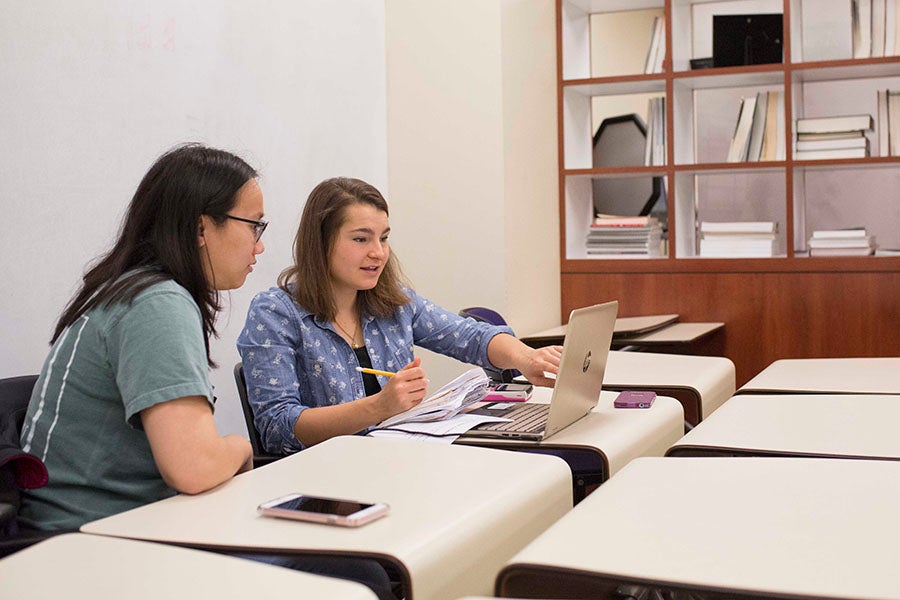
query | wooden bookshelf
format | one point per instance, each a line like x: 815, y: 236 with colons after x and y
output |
x: 787, y: 306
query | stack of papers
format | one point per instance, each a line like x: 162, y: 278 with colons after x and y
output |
x: 459, y: 394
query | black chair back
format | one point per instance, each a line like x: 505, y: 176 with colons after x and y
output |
x: 260, y: 456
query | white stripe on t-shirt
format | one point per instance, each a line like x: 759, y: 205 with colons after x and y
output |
x: 63, y: 387
x: 40, y: 409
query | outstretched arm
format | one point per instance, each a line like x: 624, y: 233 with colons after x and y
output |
x: 507, y: 352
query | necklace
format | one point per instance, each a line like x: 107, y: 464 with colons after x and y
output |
x: 350, y: 337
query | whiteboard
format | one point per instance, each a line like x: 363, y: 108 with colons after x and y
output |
x: 92, y: 91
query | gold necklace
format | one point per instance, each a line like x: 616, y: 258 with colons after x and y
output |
x: 350, y: 337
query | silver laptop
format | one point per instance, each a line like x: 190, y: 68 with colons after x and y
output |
x: 578, y: 383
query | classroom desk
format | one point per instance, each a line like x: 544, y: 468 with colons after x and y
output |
x: 700, y: 383
x: 448, y: 504
x: 79, y: 566
x: 770, y: 528
x: 605, y: 440
x: 827, y: 376
x: 674, y: 335
x: 843, y: 425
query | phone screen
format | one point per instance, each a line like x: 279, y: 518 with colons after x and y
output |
x: 326, y: 506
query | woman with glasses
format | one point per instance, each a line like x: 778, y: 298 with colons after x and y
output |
x: 342, y: 305
x: 122, y: 413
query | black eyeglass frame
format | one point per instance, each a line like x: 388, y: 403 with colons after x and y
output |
x: 259, y: 227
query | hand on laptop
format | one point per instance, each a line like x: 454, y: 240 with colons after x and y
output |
x: 540, y: 363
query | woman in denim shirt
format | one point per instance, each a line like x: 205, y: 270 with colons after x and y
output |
x: 342, y: 305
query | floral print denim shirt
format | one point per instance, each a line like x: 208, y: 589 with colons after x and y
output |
x: 293, y: 361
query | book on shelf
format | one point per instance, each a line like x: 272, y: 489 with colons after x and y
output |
x: 737, y: 227
x: 890, y: 27
x: 758, y: 127
x: 849, y: 232
x: 740, y: 141
x: 773, y: 136
x: 620, y: 221
x: 831, y: 135
x: 835, y: 124
x: 736, y: 246
x: 780, y: 129
x: 863, y: 242
x: 852, y: 142
x: 877, y: 28
x: 655, y: 141
x: 657, y: 50
x: 842, y: 251
x: 893, y: 122
x: 884, y: 147
x: 826, y: 30
x: 861, y: 23
x: 833, y: 153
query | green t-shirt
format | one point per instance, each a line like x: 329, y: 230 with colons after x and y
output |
x: 83, y: 419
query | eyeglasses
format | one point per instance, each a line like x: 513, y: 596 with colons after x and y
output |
x: 258, y: 226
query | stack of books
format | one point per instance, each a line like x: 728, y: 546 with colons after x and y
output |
x: 624, y: 237
x: 841, y: 242
x: 737, y: 239
x: 759, y: 133
x: 657, y: 51
x: 875, y: 27
x: 655, y: 143
x: 833, y: 137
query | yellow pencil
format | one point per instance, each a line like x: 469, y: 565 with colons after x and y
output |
x: 375, y: 372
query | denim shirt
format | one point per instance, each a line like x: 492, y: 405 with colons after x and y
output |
x: 294, y: 361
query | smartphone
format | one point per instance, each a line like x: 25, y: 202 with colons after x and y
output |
x: 508, y: 392
x: 331, y: 511
x: 634, y: 399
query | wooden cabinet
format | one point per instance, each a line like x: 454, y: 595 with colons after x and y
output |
x: 787, y: 306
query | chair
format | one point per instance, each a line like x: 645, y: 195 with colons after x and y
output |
x: 260, y: 456
x: 487, y: 315
x: 18, y: 470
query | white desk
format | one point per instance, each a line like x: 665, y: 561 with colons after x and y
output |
x: 844, y: 425
x: 827, y: 376
x: 700, y: 383
x: 607, y: 438
x: 76, y: 566
x: 457, y: 513
x: 673, y: 334
x: 814, y: 528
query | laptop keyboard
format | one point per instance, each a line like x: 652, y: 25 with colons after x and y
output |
x: 528, y: 418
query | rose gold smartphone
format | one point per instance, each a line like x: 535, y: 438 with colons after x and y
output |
x: 330, y: 511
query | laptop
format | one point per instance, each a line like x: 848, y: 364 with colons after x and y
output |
x: 578, y: 382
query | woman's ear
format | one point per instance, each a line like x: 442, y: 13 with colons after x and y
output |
x: 201, y: 240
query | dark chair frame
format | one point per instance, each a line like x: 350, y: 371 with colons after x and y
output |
x: 488, y: 315
x: 260, y: 456
x: 15, y: 393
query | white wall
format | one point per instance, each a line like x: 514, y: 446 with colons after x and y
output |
x: 472, y: 160
x: 93, y: 91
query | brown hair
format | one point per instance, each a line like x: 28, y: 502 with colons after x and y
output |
x: 322, y: 217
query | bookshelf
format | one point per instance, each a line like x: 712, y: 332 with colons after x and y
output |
x: 755, y: 297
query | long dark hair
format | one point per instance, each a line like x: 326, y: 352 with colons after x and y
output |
x: 322, y: 217
x: 159, y: 236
